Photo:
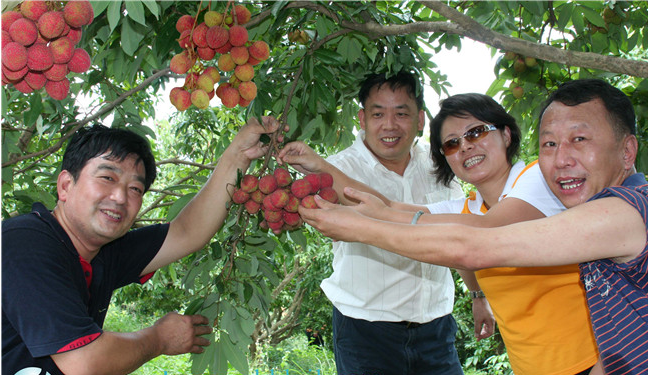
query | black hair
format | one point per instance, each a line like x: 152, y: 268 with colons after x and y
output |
x: 400, y: 80
x: 90, y: 142
x: 619, y: 108
x: 479, y: 106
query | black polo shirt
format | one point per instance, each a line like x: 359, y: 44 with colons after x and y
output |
x: 53, y: 300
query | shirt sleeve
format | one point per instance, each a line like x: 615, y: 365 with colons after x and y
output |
x: 40, y: 298
x: 446, y: 207
x: 532, y: 188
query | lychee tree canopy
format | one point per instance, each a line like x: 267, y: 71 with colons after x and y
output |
x: 311, y: 83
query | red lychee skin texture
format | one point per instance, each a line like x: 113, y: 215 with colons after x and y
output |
x: 267, y: 204
x: 257, y: 196
x: 184, y: 23
x: 279, y: 198
x: 180, y: 98
x: 217, y: 36
x: 328, y: 194
x: 78, y: 13
x: 57, y: 72
x: 23, y: 87
x: 191, y: 79
x: 225, y: 63
x: 200, y: 35
x: 292, y: 218
x: 249, y: 183
x: 252, y: 207
x: 239, y: 55
x: 51, y: 24
x: 74, y: 35
x: 184, y: 40
x: 14, y: 76
x: 230, y: 97
x: 309, y: 202
x: 200, y: 98
x: 213, y: 73
x: 62, y: 50
x: 240, y: 197
x: 181, y: 63
x: 272, y: 216
x: 245, y: 73
x: 300, y: 188
x: 58, y: 89
x: 292, y: 205
x: 238, y: 36
x: 6, y: 38
x: 23, y: 31
x: 314, y: 181
x: 268, y: 184
x: 263, y: 224
x: 259, y: 50
x: 224, y: 49
x: 326, y: 180
x: 33, y: 9
x: 9, y: 18
x: 35, y: 80
x: 276, y: 226
x: 80, y: 61
x: 283, y: 177
x: 205, y: 82
x: 244, y: 102
x: 206, y: 53
x: 14, y: 56
x: 39, y: 57
x: 243, y: 15
x: 221, y: 88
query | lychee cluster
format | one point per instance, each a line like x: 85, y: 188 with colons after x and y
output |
x: 277, y: 197
x: 38, y: 45
x: 520, y: 65
x: 223, y: 34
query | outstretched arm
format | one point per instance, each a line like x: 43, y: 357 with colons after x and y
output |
x: 604, y: 228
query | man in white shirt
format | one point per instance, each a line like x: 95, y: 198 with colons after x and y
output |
x: 391, y: 314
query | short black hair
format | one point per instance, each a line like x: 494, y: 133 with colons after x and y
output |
x: 400, y: 80
x: 481, y: 107
x: 90, y: 142
x: 618, y: 105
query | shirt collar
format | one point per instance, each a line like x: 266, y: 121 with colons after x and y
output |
x: 636, y: 179
x: 46, y: 216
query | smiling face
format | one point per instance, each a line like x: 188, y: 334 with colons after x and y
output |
x: 391, y: 122
x: 102, y: 203
x: 579, y: 153
x: 481, y: 161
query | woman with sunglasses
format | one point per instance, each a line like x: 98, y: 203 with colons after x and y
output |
x: 541, y: 312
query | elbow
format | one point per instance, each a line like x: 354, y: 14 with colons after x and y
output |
x: 471, y: 259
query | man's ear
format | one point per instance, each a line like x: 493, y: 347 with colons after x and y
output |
x: 361, y: 118
x: 64, y: 183
x: 421, y: 120
x: 630, y: 149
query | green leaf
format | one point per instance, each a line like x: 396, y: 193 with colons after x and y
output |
x: 135, y: 11
x: 219, y: 363
x: 178, y: 205
x: 35, y: 109
x: 114, y: 14
x: 153, y: 7
x: 194, y: 306
x: 592, y: 15
x: 299, y: 238
x: 99, y: 6
x: 236, y: 356
x: 199, y: 362
x: 130, y: 37
x: 329, y: 57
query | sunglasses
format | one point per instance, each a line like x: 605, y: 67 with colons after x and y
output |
x: 451, y: 146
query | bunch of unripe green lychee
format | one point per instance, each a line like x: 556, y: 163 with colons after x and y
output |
x: 218, y: 33
x: 38, y: 45
x: 520, y: 65
x: 277, y: 196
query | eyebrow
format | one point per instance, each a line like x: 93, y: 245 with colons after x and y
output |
x: 113, y: 168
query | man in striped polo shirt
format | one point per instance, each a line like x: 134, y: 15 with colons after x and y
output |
x: 588, y: 148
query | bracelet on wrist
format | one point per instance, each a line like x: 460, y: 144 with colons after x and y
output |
x: 477, y: 294
x: 417, y: 215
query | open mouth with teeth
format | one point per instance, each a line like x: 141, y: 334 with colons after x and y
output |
x: 473, y: 160
x: 390, y: 139
x: 111, y: 214
x: 572, y: 183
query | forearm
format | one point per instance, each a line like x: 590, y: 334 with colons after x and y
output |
x: 341, y: 180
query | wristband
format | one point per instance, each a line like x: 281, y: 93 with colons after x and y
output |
x: 416, y: 216
x: 477, y: 294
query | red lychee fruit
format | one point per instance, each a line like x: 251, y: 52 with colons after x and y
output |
x: 80, y: 61
x: 328, y: 194
x: 78, y: 13
x: 200, y: 99
x: 268, y: 184
x: 39, y: 57
x: 206, y: 53
x: 180, y: 98
x: 279, y: 198
x: 293, y: 204
x: 283, y: 176
x: 51, y: 24
x: 300, y: 188
x: 6, y: 38
x: 239, y: 55
x: 257, y: 196
x: 191, y: 79
x: 58, y: 89
x: 272, y: 216
x: 74, y: 35
x: 185, y: 22
x: 225, y: 48
x: 35, y: 80
x: 309, y: 202
x: 205, y: 83
x: 23, y: 87
x: 239, y: 196
x: 291, y: 218
x: 244, y: 102
x: 259, y: 50
x: 57, y: 72
x: 14, y: 76
x: 244, y: 72
x: 8, y: 18
x: 213, y: 73
x: 230, y: 97
x: 249, y: 183
x: 252, y: 207
x: 23, y: 31
x: 217, y: 36
x: 248, y: 90
x: 62, y: 50
x: 221, y: 88
x: 276, y: 226
x: 267, y: 204
x: 33, y: 9
x: 314, y: 181
x: 225, y: 63
x: 14, y: 56
x: 326, y: 180
x: 199, y: 35
x: 238, y: 36
x: 263, y: 224
x: 181, y: 63
x: 184, y: 40
x: 243, y: 15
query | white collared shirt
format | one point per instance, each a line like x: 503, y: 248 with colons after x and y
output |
x: 376, y: 285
